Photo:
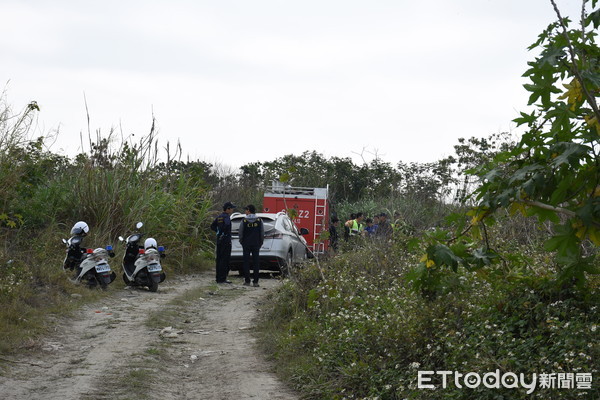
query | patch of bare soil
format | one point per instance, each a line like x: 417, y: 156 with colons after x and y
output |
x: 190, y: 340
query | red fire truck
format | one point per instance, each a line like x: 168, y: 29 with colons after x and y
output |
x: 311, y: 207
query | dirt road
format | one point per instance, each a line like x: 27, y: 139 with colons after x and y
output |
x: 191, y: 340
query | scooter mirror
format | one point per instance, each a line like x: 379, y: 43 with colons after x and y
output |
x: 139, y: 225
x: 64, y: 241
x: 121, y: 238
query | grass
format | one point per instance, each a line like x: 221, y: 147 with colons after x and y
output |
x: 174, y: 312
x: 27, y: 314
x: 153, y: 351
x: 133, y: 380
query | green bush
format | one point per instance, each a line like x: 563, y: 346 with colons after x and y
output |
x: 111, y: 188
x: 365, y: 333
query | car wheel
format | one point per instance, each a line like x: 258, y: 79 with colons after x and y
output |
x: 286, y: 264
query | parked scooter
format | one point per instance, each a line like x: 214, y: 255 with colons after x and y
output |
x: 141, y: 264
x: 90, y: 266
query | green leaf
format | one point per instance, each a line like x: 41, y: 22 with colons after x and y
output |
x: 413, y: 244
x: 460, y: 250
x: 525, y: 119
x: 559, y: 195
x: 417, y: 275
x: 507, y: 196
x: 532, y: 184
x: 492, y: 175
x: 565, y: 243
x: 552, y: 56
x: 285, y: 177
x: 571, y: 154
x: 482, y: 257
x: 594, y: 18
x: 586, y: 212
x: 442, y: 255
x: 543, y: 214
x: 576, y: 270
x: 591, y: 76
x: 524, y: 173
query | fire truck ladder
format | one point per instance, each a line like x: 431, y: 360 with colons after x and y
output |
x: 320, y: 212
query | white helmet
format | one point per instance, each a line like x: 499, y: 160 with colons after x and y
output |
x: 80, y: 228
x: 150, y: 243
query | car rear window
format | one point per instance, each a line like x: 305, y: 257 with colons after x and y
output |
x: 268, y: 223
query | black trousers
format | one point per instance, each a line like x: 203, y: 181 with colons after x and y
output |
x: 223, y: 256
x: 254, y: 250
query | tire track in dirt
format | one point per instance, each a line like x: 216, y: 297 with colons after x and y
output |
x: 219, y: 361
x: 212, y: 357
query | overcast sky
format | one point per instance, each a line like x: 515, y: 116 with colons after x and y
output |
x: 240, y: 81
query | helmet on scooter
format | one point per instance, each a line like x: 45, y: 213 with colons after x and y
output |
x: 80, y: 228
x: 150, y: 243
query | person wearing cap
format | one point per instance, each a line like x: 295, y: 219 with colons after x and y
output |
x: 222, y: 226
x: 252, y: 235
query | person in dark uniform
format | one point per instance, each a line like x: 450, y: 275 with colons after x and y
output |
x: 252, y: 235
x: 384, y: 229
x: 222, y: 225
x: 334, y: 236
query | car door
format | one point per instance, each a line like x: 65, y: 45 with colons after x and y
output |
x: 288, y: 234
x: 297, y: 243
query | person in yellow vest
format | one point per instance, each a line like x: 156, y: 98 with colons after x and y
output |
x: 355, y: 226
x: 348, y: 226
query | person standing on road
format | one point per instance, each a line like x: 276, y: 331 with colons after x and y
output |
x: 252, y: 235
x: 222, y: 225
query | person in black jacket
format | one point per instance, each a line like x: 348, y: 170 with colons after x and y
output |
x: 222, y: 225
x: 334, y: 235
x: 252, y: 235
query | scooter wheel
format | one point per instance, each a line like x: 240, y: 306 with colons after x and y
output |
x: 153, y: 286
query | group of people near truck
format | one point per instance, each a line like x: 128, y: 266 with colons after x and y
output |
x: 251, y: 237
x: 378, y: 227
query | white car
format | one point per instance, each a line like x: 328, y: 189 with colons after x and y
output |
x: 282, y: 247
